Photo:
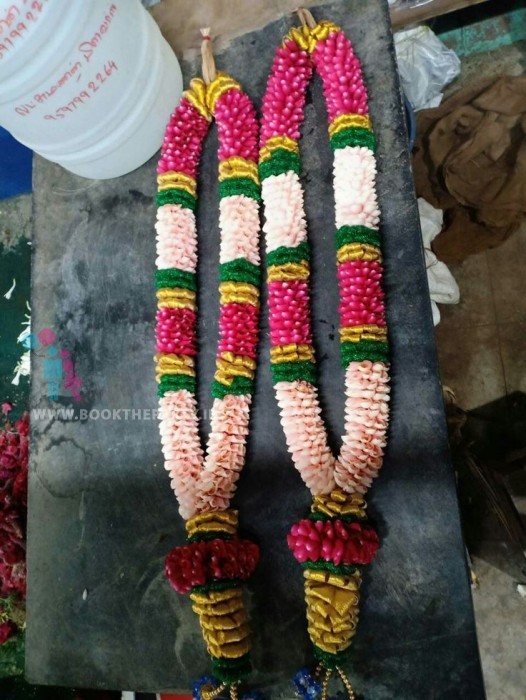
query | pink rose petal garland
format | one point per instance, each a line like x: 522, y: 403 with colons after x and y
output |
x: 212, y: 566
x: 334, y: 541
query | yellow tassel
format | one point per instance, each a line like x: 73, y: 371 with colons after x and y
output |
x: 173, y: 179
x: 171, y: 363
x: 176, y: 297
x: 288, y: 271
x: 222, y: 521
x: 332, y: 608
x: 366, y: 332
x: 239, y: 292
x: 344, y: 121
x: 359, y: 251
x: 291, y: 353
x: 225, y: 629
x: 277, y: 142
x: 221, y: 84
x: 196, y: 95
x: 236, y: 166
x: 338, y: 503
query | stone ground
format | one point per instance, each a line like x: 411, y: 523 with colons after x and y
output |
x: 482, y: 352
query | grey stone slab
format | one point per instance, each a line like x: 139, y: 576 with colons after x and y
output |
x: 102, y: 516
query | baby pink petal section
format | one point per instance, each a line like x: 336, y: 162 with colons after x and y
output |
x: 226, y: 452
x: 285, y: 218
x: 176, y: 238
x: 239, y: 223
x: 305, y: 434
x: 181, y: 447
x: 354, y: 187
x: 366, y: 420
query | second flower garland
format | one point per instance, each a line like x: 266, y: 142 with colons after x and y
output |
x: 335, y: 540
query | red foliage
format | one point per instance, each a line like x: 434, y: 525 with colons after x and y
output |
x: 199, y: 563
x: 333, y: 540
x: 14, y: 449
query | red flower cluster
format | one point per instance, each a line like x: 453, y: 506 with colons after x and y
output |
x: 14, y: 449
x: 199, y: 563
x: 333, y: 540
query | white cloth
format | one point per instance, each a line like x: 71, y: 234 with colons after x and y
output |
x: 442, y: 286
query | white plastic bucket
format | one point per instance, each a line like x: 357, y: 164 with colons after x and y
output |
x: 89, y: 84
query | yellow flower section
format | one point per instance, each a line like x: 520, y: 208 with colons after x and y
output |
x: 172, y: 179
x: 176, y: 298
x: 354, y: 334
x: 332, y: 608
x: 275, y: 143
x: 344, y: 121
x: 223, y: 621
x: 322, y: 30
x: 300, y: 35
x: 196, y: 95
x: 222, y: 83
x: 170, y: 363
x: 239, y: 292
x: 307, y: 38
x: 338, y: 503
x: 291, y: 352
x: 359, y: 251
x: 236, y: 166
x: 229, y: 366
x: 288, y: 271
x: 219, y: 521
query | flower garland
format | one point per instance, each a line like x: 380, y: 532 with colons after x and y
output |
x: 335, y: 540
x: 214, y: 563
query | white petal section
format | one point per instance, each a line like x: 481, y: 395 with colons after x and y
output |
x: 354, y: 187
x: 176, y: 238
x: 284, y: 215
x: 239, y: 224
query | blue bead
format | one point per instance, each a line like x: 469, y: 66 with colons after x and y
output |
x: 198, y: 685
x: 306, y: 685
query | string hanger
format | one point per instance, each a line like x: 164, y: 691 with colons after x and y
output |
x: 207, y: 57
x: 306, y: 18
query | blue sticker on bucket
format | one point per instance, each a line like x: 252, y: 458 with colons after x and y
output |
x: 15, y: 166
